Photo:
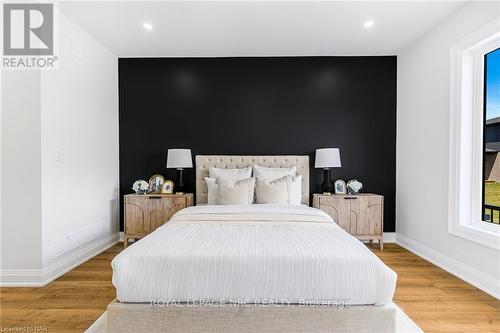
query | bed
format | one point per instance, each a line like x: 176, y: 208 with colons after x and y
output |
x: 255, y: 254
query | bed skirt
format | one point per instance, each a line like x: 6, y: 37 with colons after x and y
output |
x: 142, y: 317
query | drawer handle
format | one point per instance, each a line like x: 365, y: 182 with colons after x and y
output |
x: 350, y: 198
x: 154, y: 197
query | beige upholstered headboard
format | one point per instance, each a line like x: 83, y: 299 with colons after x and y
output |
x: 203, y: 162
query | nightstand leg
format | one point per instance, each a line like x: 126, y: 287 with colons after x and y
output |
x: 125, y: 242
x: 381, y: 242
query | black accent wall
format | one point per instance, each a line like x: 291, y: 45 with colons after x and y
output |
x: 270, y: 106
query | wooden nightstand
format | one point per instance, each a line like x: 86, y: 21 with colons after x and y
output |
x: 144, y: 213
x: 361, y: 215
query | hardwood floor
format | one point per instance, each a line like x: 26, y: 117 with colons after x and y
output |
x: 436, y: 300
x: 69, y: 304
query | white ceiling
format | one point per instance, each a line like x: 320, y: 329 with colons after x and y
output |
x: 256, y: 28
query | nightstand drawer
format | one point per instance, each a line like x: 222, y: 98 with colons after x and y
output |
x: 360, y: 215
x: 164, y: 209
x: 137, y: 217
x: 144, y: 213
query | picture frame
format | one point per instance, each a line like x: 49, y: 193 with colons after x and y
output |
x: 340, y: 187
x: 167, y: 187
x: 156, y: 183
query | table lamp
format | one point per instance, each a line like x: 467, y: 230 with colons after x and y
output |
x: 327, y: 158
x: 179, y: 159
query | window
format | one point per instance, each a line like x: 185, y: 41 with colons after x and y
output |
x: 491, y: 157
x: 474, y: 196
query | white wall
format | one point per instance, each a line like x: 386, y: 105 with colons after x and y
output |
x: 79, y: 144
x: 423, y: 151
x: 59, y: 159
x: 20, y: 170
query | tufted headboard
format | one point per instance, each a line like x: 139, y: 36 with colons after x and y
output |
x: 203, y: 162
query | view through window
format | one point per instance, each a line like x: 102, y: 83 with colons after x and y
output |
x: 491, y: 166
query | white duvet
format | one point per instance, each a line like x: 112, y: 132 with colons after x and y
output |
x: 256, y: 253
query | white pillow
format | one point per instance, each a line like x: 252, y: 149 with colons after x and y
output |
x: 275, y: 192
x: 270, y: 174
x: 236, y: 193
x: 213, y: 191
x: 230, y: 174
x: 286, y: 190
x: 294, y: 187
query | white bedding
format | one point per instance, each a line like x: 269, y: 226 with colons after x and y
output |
x: 255, y: 253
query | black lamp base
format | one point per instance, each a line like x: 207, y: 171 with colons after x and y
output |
x: 327, y: 186
x: 179, y: 186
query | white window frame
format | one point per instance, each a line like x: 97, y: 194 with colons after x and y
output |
x: 466, y: 136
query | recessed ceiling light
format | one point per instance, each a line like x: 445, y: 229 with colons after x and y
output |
x: 147, y: 26
x: 369, y: 24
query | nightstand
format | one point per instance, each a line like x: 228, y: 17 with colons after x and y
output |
x: 361, y: 215
x: 143, y: 213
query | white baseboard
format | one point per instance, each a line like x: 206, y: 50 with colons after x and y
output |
x: 389, y: 237
x: 469, y: 274
x: 63, y: 264
x: 20, y: 278
x: 121, y: 236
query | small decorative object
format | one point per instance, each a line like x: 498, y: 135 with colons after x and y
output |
x: 354, y: 186
x: 168, y: 187
x: 155, y: 183
x: 327, y: 158
x: 140, y: 186
x: 340, y: 187
x: 179, y: 159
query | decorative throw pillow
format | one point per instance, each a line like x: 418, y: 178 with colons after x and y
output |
x: 213, y: 191
x: 294, y: 187
x: 230, y: 174
x: 275, y: 192
x: 286, y: 190
x: 270, y: 174
x: 236, y: 193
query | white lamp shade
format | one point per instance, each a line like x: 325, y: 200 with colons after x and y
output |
x: 327, y: 158
x: 179, y: 158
